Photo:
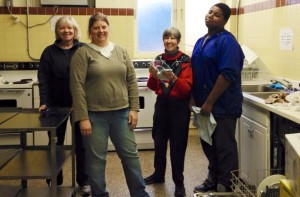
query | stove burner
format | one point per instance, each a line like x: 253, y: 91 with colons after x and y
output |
x: 23, y: 81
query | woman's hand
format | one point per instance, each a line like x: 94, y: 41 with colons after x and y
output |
x: 170, y: 75
x: 42, y: 107
x: 132, y: 119
x: 153, y: 71
x: 85, y: 127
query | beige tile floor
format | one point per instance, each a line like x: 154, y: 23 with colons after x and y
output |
x: 195, y: 173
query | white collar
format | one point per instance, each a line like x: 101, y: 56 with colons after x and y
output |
x: 105, y: 51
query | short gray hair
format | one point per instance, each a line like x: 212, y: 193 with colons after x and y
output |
x: 69, y: 20
x: 172, y: 31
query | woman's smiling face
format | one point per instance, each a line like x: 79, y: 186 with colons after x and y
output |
x: 170, y: 43
x: 65, y: 32
x: 99, y: 33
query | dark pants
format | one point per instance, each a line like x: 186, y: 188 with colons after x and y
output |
x: 81, y: 177
x: 222, y: 155
x: 171, y: 123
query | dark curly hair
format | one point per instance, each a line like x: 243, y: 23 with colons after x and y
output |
x: 225, y: 10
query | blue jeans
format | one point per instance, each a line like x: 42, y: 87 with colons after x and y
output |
x: 115, y: 125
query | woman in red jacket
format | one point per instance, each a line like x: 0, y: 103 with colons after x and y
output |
x: 172, y: 115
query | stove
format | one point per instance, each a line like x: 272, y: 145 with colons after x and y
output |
x: 147, y: 98
x: 18, y: 75
x: 142, y: 71
x: 16, y: 82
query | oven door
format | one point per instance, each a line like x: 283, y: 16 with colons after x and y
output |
x: 147, y: 101
x: 16, y: 98
x: 143, y: 130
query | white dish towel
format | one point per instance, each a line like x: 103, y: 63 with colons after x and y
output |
x: 205, y: 124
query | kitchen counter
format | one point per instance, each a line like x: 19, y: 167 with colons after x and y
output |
x: 289, y: 114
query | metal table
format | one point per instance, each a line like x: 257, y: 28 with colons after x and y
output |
x: 32, y: 162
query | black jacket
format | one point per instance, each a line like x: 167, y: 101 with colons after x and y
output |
x: 53, y: 75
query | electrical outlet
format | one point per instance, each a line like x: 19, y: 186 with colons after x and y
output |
x: 9, y: 3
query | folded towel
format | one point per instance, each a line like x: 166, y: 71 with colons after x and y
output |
x: 292, y: 102
x: 206, y: 124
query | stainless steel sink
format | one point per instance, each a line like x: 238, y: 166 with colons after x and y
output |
x: 258, y: 88
x: 262, y: 91
x: 262, y: 95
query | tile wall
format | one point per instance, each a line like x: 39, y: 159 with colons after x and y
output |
x: 19, y: 43
x: 257, y: 25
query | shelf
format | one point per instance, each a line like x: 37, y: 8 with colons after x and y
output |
x: 7, y: 115
x: 45, y: 192
x: 32, y: 120
x: 10, y: 190
x: 33, y: 164
x: 7, y: 154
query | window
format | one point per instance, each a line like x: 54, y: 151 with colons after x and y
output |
x: 154, y: 16
x: 194, y: 21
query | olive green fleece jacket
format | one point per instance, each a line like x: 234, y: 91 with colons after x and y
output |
x: 98, y: 83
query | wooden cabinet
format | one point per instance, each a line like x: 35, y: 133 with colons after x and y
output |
x: 254, y: 143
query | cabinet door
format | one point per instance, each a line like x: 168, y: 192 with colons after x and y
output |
x: 246, y: 148
x: 260, y: 158
x: 237, y: 138
x: 253, y: 149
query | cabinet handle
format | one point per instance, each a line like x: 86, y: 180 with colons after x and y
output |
x: 250, y: 131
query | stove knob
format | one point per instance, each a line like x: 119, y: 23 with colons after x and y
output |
x: 144, y: 65
x: 30, y: 66
x: 149, y: 64
x: 21, y: 66
x: 36, y: 65
x: 15, y: 66
x: 135, y: 65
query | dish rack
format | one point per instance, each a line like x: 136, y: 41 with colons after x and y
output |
x: 243, y: 185
x: 253, y: 74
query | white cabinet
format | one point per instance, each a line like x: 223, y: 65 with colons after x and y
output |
x: 237, y: 138
x: 254, y: 143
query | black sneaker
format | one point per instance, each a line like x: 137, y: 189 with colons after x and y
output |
x: 152, y: 179
x: 205, y: 187
x: 180, y: 192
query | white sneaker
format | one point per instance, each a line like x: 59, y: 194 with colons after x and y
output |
x: 85, y: 190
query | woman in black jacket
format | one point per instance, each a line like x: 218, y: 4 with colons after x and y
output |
x: 53, y: 76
